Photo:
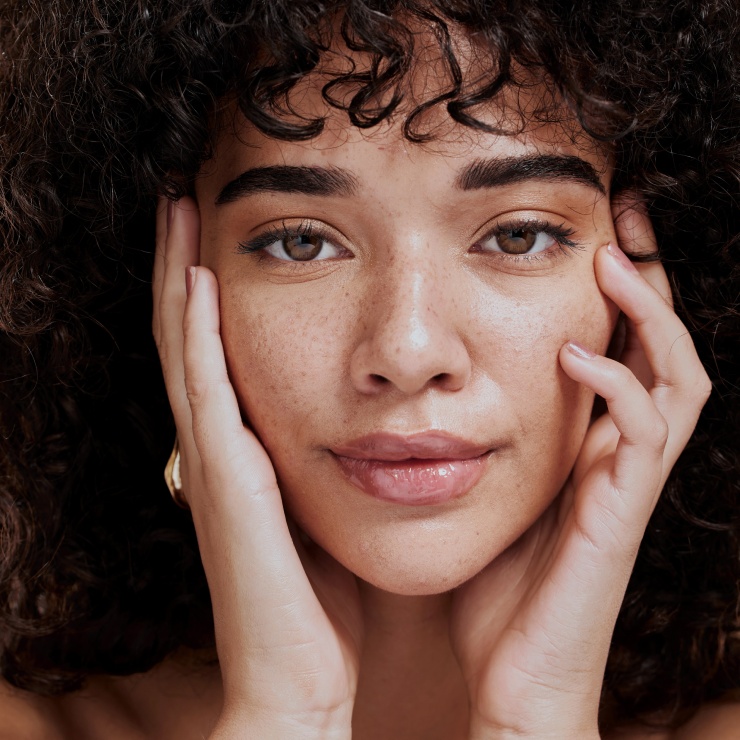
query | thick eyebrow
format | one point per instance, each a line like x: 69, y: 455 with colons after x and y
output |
x: 491, y: 173
x: 288, y: 179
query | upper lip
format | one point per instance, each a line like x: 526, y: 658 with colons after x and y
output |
x: 434, y: 445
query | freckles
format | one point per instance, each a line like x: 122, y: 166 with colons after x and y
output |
x: 282, y: 355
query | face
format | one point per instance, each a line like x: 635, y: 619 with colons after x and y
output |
x: 392, y: 315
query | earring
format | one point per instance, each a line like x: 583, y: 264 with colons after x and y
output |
x: 173, y: 479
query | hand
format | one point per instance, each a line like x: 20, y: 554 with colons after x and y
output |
x: 287, y: 616
x: 532, y: 631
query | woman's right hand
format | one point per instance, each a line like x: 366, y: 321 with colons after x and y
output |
x: 287, y: 617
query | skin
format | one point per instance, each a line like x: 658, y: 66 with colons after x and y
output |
x: 466, y: 342
x: 460, y: 339
x: 488, y: 616
x: 401, y: 330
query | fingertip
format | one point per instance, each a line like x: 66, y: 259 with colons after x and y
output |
x: 201, y: 298
x: 191, y: 274
x: 580, y: 363
x: 578, y: 350
x: 615, y: 272
x: 182, y: 224
x: 621, y: 259
x: 200, y: 275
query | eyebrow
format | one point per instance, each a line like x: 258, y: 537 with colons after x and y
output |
x: 492, y: 173
x: 289, y: 179
x: 482, y: 173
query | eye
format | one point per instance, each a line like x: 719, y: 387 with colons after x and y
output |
x: 293, y: 244
x: 302, y: 248
x: 518, y: 240
x: 527, y: 237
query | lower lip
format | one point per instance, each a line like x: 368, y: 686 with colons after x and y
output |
x: 414, y: 482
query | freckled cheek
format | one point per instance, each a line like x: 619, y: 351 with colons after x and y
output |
x: 523, y: 333
x: 518, y: 347
x: 594, y: 318
x: 284, y: 358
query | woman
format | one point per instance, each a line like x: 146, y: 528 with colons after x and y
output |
x: 390, y: 277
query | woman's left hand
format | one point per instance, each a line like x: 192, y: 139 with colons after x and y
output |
x: 532, y: 631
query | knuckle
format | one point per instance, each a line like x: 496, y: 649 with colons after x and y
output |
x: 702, y: 388
x: 624, y: 376
x: 657, y: 431
x: 200, y: 389
x: 623, y: 379
x: 196, y: 390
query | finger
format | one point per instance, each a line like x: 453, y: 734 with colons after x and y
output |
x: 180, y: 251
x: 636, y: 237
x: 680, y: 384
x: 629, y: 483
x: 158, y: 275
x: 612, y: 502
x: 217, y: 423
x: 234, y: 463
x: 247, y: 550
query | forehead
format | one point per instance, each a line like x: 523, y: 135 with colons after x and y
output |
x: 382, y: 155
x: 526, y: 117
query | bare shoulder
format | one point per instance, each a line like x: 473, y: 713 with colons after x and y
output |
x: 27, y: 717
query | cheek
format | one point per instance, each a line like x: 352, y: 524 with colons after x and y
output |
x: 518, y: 349
x: 283, y: 358
x: 517, y: 339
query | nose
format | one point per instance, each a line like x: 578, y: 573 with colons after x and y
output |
x: 410, y: 337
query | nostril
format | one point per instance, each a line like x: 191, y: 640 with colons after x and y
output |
x: 381, y: 380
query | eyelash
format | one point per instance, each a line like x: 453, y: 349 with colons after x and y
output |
x: 276, y: 233
x: 560, y: 233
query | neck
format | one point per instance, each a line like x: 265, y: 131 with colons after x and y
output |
x: 410, y: 683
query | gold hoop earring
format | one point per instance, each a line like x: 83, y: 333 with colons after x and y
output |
x: 173, y: 479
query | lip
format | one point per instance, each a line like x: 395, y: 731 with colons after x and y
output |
x: 414, y: 470
x: 423, y: 446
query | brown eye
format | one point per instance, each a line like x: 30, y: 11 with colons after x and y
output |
x: 520, y: 240
x: 294, y: 246
x: 516, y: 241
x: 302, y: 247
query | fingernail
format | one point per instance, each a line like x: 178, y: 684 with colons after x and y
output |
x: 621, y: 258
x: 170, y: 213
x: 190, y: 275
x: 577, y: 349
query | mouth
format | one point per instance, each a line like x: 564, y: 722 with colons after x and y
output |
x: 414, y: 470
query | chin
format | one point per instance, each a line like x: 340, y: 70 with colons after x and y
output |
x: 418, y: 566
x: 412, y: 583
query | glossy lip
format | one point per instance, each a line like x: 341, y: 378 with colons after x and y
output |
x: 434, y: 445
x: 415, y: 470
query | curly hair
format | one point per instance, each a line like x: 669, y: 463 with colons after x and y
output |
x: 105, y: 104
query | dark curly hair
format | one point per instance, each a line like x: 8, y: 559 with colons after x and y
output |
x: 106, y: 103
